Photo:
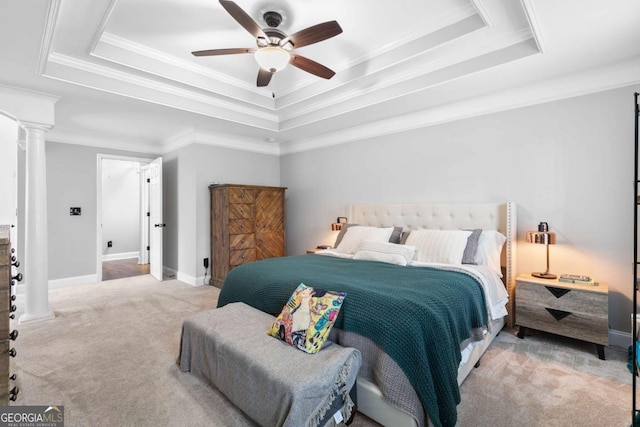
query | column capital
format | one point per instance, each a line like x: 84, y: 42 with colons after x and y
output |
x: 31, y: 126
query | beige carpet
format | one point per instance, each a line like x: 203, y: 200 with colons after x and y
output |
x: 109, y: 358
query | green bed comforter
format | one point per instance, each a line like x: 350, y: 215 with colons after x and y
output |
x: 417, y: 315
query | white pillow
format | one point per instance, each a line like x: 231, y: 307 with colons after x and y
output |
x: 489, y: 249
x: 385, y: 252
x: 442, y: 246
x: 357, y: 234
x: 380, y: 257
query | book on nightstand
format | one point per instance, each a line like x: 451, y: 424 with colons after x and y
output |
x: 577, y: 279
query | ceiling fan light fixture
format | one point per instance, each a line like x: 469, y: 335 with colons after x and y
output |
x: 272, y: 58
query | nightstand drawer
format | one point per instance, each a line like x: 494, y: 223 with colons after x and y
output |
x: 559, y: 298
x: 577, y: 325
x: 568, y: 309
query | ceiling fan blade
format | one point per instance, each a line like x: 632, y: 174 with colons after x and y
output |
x: 311, y: 66
x: 243, y: 19
x: 214, y: 52
x: 264, y: 77
x: 313, y: 34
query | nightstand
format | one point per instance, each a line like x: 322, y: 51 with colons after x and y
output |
x: 568, y: 309
x: 314, y: 250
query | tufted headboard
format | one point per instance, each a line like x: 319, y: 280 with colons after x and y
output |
x: 487, y: 216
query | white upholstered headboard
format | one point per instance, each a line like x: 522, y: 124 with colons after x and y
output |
x: 487, y: 216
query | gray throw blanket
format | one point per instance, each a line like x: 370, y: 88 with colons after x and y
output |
x: 269, y: 380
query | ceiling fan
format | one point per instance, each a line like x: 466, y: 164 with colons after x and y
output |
x: 274, y: 47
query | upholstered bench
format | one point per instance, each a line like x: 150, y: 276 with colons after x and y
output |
x: 270, y: 381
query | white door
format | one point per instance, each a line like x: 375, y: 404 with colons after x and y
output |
x: 157, y: 226
x: 145, y: 218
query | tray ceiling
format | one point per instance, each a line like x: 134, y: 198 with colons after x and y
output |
x: 399, y: 65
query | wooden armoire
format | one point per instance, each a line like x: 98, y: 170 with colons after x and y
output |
x: 247, y: 224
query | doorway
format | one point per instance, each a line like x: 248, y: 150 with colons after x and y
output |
x: 124, y: 233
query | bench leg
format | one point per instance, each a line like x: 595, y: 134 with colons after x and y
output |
x: 600, y: 349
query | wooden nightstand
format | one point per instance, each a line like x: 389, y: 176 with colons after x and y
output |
x: 568, y: 309
x: 314, y: 250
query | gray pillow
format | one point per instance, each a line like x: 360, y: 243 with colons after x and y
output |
x: 395, y: 234
x: 404, y: 237
x: 470, y: 251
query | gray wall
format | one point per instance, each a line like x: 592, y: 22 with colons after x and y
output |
x: 187, y: 174
x: 72, y: 181
x: 569, y: 163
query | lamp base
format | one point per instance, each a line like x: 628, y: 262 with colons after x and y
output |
x: 544, y: 275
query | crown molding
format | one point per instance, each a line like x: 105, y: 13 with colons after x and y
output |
x: 484, y: 13
x: 124, y: 77
x: 26, y: 105
x: 90, y: 139
x: 606, y: 78
x: 47, y: 35
x: 534, y: 24
x: 379, y: 54
x: 190, y: 136
x: 154, y: 54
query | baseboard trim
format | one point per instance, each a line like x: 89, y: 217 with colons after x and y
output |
x: 619, y: 339
x: 73, y: 281
x: 170, y: 273
x: 121, y: 255
x: 67, y: 282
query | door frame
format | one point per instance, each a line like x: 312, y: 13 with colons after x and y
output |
x: 100, y: 157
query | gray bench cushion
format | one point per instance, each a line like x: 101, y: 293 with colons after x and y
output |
x: 269, y: 380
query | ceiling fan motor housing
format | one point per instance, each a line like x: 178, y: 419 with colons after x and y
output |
x: 273, y: 19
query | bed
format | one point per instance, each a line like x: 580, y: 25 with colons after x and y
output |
x: 395, y: 388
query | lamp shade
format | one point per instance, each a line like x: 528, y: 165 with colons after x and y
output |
x: 272, y: 58
x: 340, y: 221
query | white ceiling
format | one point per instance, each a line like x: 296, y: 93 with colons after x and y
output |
x: 126, y: 78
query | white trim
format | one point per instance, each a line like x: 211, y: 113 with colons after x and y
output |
x: 619, y: 339
x: 534, y: 24
x: 47, y: 35
x: 128, y: 78
x: 70, y: 136
x: 66, y: 282
x: 484, y: 13
x: 219, y: 139
x: 148, y: 52
x: 170, y: 273
x: 121, y: 255
x: 606, y: 78
x: 73, y: 281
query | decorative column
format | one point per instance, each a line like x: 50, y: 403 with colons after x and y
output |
x: 36, y: 257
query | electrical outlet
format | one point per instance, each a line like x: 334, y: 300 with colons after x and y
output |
x: 206, y: 263
x: 109, y: 244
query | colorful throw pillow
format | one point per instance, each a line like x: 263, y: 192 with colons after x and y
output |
x: 307, y: 318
